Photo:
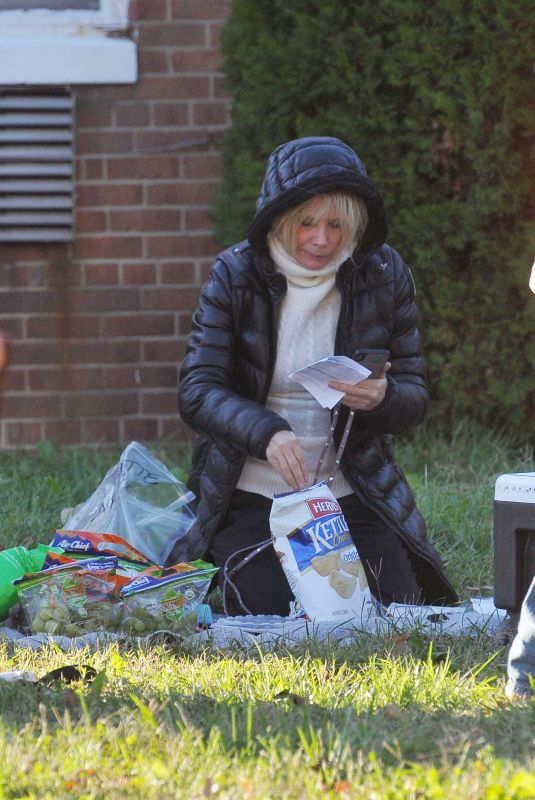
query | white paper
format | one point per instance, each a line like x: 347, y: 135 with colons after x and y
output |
x: 315, y: 377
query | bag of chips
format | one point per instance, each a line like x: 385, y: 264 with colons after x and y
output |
x: 318, y: 556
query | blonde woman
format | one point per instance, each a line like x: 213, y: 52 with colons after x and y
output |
x: 314, y: 278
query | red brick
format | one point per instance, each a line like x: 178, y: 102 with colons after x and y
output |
x: 63, y: 431
x: 214, y: 34
x: 66, y: 378
x: 139, y: 325
x: 159, y: 376
x: 153, y: 62
x: 177, y: 272
x: 11, y: 327
x: 84, y: 378
x: 45, y: 352
x: 108, y: 247
x: 207, y: 165
x: 19, y: 276
x: 93, y: 115
x: 92, y: 300
x: 199, y: 9
x: 62, y: 326
x: 161, y: 88
x: 211, y: 113
x: 146, y: 220
x: 20, y: 253
x: 174, y: 430
x: 23, y: 433
x: 172, y: 246
x: 140, y: 430
x: 220, y: 87
x: 46, y: 327
x: 138, y: 273
x: 184, y: 323
x: 159, y: 403
x: 100, y: 404
x: 109, y: 194
x: 133, y: 377
x: 101, y: 274
x: 100, y: 431
x: 104, y: 142
x: 170, y: 139
x: 103, y: 351
x: 29, y: 301
x: 195, y: 193
x: 18, y: 406
x: 121, y: 377
x: 198, y: 220
x: 170, y: 113
x: 91, y: 169
x: 173, y: 34
x: 161, y: 350
x: 47, y: 380
x: 165, y: 298
x: 147, y: 10
x: 74, y: 273
x: 205, y: 60
x: 13, y: 380
x: 90, y: 222
x: 133, y: 115
x: 205, y: 269
x: 150, y: 166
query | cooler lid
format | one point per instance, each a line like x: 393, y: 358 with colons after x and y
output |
x: 516, y: 487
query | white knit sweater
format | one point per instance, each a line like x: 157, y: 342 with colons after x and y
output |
x: 306, y: 329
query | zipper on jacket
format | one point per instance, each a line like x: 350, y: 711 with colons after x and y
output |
x: 276, y: 300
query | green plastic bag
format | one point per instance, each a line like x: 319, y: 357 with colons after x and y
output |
x: 14, y: 563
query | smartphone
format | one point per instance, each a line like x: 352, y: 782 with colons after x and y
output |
x: 374, y: 360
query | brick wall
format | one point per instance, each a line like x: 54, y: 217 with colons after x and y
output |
x: 97, y: 328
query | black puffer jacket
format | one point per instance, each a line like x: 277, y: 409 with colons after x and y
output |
x: 226, y: 373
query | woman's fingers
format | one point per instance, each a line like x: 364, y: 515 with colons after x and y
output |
x: 363, y: 396
x: 286, y: 455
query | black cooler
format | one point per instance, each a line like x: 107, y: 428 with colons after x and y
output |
x: 514, y: 539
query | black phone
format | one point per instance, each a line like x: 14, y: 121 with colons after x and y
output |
x: 374, y: 360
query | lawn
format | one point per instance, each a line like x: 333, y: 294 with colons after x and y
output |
x: 392, y: 716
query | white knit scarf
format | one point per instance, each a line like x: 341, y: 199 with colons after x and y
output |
x: 306, y: 327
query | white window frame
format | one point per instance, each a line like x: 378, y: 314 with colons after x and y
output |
x: 47, y: 47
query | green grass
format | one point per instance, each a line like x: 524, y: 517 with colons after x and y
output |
x: 390, y: 717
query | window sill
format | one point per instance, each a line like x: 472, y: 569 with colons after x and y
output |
x: 50, y: 60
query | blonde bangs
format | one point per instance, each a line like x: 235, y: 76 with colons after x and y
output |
x: 349, y: 209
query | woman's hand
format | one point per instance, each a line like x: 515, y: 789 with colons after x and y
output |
x: 366, y: 395
x: 286, y: 455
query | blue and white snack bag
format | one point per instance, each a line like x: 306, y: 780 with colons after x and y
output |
x: 312, y: 540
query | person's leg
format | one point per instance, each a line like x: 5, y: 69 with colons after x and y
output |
x: 384, y: 556
x: 521, y: 659
x: 260, y: 583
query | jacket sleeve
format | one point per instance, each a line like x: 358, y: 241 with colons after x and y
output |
x: 207, y: 399
x: 406, y: 398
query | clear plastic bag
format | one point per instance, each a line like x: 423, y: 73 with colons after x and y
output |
x: 140, y: 500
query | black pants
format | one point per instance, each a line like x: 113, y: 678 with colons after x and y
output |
x: 261, y: 583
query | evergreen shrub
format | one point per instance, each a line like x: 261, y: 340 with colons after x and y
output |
x: 438, y: 101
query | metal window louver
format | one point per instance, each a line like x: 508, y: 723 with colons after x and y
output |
x: 36, y: 166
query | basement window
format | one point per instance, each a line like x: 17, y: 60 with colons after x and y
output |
x: 36, y: 166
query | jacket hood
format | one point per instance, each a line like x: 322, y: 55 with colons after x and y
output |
x: 303, y: 168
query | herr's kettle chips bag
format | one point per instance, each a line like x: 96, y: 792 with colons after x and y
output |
x: 318, y: 556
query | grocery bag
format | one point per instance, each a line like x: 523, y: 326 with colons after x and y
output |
x: 140, y: 500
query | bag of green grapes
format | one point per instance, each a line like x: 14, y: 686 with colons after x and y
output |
x: 166, y: 599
